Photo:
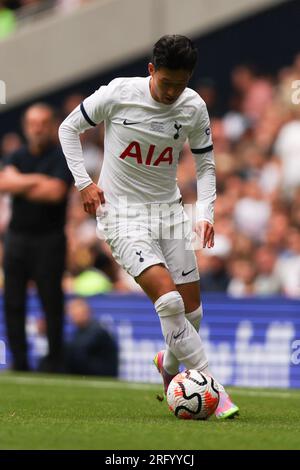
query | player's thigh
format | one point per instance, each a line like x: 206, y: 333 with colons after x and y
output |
x: 139, y: 253
x: 190, y: 292
x: 156, y: 281
x: 136, y: 248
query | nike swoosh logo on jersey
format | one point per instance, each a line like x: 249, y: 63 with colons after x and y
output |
x: 185, y: 274
x: 179, y: 334
x: 129, y: 123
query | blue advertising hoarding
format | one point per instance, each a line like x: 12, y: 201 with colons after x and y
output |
x: 249, y: 342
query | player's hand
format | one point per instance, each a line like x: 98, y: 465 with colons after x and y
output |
x: 206, y: 232
x: 92, y: 196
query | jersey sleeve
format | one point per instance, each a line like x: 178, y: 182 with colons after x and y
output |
x: 200, y: 138
x: 95, y: 108
x: 201, y: 145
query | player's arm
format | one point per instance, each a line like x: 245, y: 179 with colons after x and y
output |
x: 90, y: 113
x: 206, y: 195
x: 202, y: 148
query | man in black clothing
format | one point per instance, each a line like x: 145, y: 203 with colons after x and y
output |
x: 38, y: 179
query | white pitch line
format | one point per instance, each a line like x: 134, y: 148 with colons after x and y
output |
x: 131, y: 386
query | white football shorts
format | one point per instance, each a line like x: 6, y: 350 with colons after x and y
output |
x: 143, y: 237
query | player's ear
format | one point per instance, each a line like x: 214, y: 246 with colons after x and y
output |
x: 151, y: 69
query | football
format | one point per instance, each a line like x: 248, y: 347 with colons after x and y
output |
x: 192, y: 395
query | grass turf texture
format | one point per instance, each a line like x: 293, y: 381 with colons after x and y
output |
x: 48, y: 412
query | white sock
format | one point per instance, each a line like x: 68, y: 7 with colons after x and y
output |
x: 171, y: 364
x: 180, y: 336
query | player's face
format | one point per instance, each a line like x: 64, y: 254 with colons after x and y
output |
x: 167, y: 85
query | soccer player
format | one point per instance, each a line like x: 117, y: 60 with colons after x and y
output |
x: 147, y: 120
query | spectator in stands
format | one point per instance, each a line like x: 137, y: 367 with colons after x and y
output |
x: 255, y: 91
x: 287, y: 147
x: 252, y: 212
x: 214, y: 277
x: 267, y: 281
x: 208, y: 91
x: 92, y: 350
x: 288, y: 266
x: 295, y: 209
x: 243, y: 277
x: 38, y: 180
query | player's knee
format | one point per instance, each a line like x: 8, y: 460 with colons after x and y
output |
x: 169, y: 304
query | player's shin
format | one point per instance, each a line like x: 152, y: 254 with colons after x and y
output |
x: 180, y: 336
x: 171, y: 364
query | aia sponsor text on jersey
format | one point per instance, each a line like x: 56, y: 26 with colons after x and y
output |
x: 154, y: 156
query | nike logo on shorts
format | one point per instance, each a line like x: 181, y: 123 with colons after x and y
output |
x: 185, y: 274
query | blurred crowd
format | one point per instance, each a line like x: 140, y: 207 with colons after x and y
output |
x: 257, y: 212
x: 14, y: 11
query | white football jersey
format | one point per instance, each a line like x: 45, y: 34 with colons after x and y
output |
x: 143, y: 139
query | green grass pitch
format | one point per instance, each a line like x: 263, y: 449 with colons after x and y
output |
x: 51, y: 412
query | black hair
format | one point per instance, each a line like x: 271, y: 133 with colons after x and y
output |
x: 174, y: 52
